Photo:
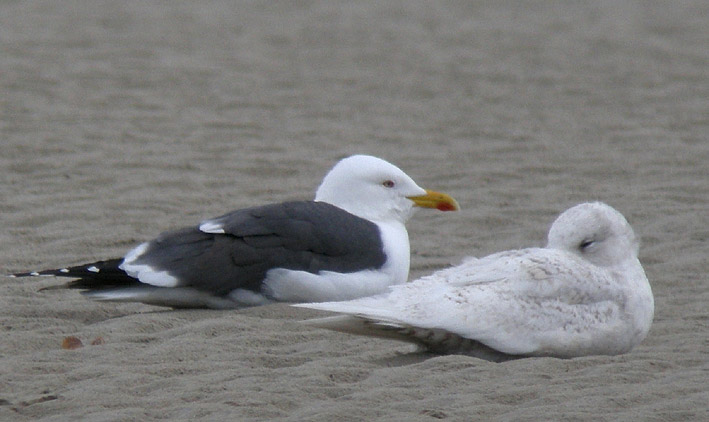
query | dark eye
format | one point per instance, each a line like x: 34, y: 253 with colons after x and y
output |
x: 585, y: 244
x: 388, y: 183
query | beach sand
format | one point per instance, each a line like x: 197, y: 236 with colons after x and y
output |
x: 119, y: 120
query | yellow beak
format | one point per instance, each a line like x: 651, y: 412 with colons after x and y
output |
x: 437, y: 200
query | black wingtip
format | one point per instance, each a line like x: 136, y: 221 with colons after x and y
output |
x: 32, y: 274
x: 108, y: 269
x: 97, y: 275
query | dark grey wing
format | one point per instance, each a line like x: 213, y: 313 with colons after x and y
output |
x: 306, y: 235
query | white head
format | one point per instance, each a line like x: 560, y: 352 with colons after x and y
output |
x: 374, y: 189
x: 596, y: 232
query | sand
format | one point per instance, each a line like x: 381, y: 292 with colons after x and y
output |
x: 122, y: 119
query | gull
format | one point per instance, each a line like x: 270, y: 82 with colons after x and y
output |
x: 349, y: 242
x: 585, y: 293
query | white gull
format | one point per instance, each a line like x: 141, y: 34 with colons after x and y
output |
x: 585, y: 293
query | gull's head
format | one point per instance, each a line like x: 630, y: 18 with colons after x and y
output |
x: 372, y: 188
x: 596, y: 232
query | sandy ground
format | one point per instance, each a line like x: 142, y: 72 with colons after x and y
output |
x: 120, y: 119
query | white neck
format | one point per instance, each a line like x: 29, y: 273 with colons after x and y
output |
x: 397, y: 250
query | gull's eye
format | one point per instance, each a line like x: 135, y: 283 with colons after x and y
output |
x: 586, y: 244
x: 388, y: 183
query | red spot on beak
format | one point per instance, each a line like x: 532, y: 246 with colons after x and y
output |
x: 444, y: 206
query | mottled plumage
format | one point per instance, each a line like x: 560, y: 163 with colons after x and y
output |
x: 585, y: 293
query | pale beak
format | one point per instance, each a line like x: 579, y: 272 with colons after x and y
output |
x: 437, y: 200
